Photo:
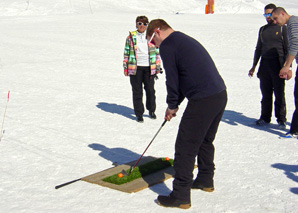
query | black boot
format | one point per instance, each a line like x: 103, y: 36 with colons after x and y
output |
x: 152, y: 115
x: 140, y: 119
x: 169, y: 201
x: 206, y: 188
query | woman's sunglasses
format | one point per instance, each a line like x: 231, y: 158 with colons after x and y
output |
x: 141, y: 23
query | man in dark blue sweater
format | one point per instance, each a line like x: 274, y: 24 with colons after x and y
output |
x: 190, y: 73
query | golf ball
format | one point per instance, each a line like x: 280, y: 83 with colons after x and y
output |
x: 120, y: 175
x: 167, y: 158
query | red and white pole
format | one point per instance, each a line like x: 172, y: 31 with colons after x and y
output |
x: 1, y: 133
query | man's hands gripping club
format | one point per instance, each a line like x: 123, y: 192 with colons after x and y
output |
x: 170, y: 113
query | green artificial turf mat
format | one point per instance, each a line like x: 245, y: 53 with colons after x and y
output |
x: 134, y: 185
x: 140, y: 171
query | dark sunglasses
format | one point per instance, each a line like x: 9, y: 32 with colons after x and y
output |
x: 267, y: 15
x: 141, y: 23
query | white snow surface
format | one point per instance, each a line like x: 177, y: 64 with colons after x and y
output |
x: 70, y: 109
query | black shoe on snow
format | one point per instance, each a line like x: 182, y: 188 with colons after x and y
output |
x: 168, y: 201
x: 281, y: 125
x: 152, y: 115
x: 197, y: 185
x: 261, y: 122
x: 140, y: 119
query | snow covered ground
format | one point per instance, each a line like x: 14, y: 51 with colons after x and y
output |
x: 70, y: 110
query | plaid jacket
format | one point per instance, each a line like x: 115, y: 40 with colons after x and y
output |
x: 130, y: 56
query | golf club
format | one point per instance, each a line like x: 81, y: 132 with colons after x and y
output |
x: 133, y: 167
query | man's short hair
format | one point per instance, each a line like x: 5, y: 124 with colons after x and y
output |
x: 277, y: 10
x: 143, y: 19
x: 270, y: 6
x: 156, y: 23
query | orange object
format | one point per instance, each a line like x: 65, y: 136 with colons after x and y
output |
x: 209, y: 7
x: 120, y: 175
x: 167, y: 158
x: 206, y: 9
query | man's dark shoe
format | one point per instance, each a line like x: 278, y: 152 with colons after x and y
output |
x: 281, y: 125
x: 168, y: 201
x: 261, y: 122
x: 140, y: 119
x: 206, y: 188
x: 152, y: 115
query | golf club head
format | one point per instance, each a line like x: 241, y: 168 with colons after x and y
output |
x: 125, y: 173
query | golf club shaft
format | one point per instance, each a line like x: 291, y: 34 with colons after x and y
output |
x: 67, y: 183
x: 132, y: 168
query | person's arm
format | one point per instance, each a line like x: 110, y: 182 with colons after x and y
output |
x: 285, y: 40
x: 286, y: 70
x: 257, y: 54
x: 172, y: 78
x: 126, y: 55
x: 158, y: 61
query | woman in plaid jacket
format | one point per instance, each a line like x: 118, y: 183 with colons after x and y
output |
x: 141, y: 63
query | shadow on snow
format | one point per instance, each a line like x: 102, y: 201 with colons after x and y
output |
x: 235, y: 118
x: 230, y: 117
x: 289, y: 171
x: 117, y: 109
x: 121, y: 156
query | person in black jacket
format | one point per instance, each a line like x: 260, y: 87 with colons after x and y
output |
x: 190, y: 73
x: 272, y: 47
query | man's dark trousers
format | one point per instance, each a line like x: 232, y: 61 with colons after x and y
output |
x: 270, y: 83
x: 195, y: 137
x: 294, y: 123
x: 143, y: 75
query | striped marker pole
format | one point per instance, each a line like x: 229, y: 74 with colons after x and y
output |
x: 2, y: 132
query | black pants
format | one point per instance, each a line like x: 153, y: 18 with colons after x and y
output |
x: 143, y: 75
x: 195, y: 137
x: 270, y: 83
x: 294, y: 123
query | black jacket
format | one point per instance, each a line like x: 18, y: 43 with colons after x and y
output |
x: 272, y: 43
